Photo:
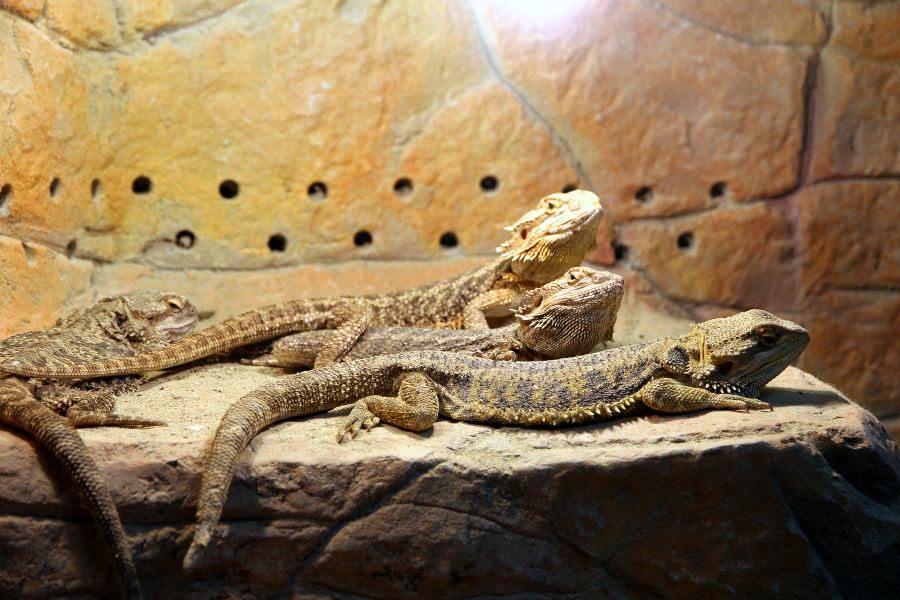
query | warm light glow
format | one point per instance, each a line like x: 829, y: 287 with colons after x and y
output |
x: 540, y: 12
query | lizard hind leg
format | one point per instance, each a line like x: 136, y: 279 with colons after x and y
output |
x: 354, y: 318
x: 415, y: 408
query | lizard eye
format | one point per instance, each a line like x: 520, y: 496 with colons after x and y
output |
x: 524, y: 233
x: 174, y: 304
x: 552, y: 205
x: 767, y: 338
x: 573, y: 277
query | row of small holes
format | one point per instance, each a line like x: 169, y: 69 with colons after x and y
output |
x: 317, y: 190
x: 278, y: 243
x: 716, y: 190
x: 229, y: 188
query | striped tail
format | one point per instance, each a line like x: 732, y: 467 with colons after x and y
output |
x: 248, y: 328
x: 19, y: 409
x: 295, y: 395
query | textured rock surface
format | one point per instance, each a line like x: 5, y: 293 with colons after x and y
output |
x: 802, y: 501
x: 762, y: 127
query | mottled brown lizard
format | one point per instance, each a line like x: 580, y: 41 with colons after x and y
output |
x: 721, y: 364
x: 117, y: 326
x: 566, y: 317
x: 544, y: 243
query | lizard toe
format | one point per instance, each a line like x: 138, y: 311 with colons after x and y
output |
x: 753, y: 404
x: 360, y: 418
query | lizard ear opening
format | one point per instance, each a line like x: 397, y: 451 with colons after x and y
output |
x: 678, y: 358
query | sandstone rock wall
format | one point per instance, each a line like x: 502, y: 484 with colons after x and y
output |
x: 748, y: 153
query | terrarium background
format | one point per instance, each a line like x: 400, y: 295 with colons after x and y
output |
x: 748, y: 154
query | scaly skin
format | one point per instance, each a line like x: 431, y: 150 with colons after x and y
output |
x: 720, y: 364
x: 544, y: 243
x: 566, y: 317
x: 118, y: 326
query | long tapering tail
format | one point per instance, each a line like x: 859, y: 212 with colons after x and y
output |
x: 248, y: 328
x: 306, y: 393
x: 19, y: 409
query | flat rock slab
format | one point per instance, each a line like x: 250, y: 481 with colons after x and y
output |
x: 803, y: 501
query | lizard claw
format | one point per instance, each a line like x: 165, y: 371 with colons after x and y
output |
x: 753, y: 404
x: 360, y: 418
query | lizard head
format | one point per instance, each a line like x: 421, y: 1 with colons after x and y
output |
x: 168, y: 315
x: 554, y: 236
x: 571, y: 314
x: 742, y: 353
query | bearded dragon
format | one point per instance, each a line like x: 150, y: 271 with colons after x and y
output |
x: 116, y: 326
x: 544, y: 243
x: 720, y: 364
x: 566, y: 317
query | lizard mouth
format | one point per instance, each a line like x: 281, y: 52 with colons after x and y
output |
x: 176, y: 328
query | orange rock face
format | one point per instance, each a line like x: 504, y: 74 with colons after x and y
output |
x: 747, y: 153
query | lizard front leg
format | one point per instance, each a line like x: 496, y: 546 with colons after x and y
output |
x: 92, y: 407
x: 668, y: 395
x: 96, y: 410
x: 414, y: 408
x: 475, y: 312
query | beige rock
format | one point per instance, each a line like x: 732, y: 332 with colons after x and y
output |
x: 857, y: 124
x: 43, y: 281
x: 869, y: 28
x: 849, y: 235
x: 812, y: 501
x: 649, y: 100
x: 793, y: 22
x: 715, y: 257
x: 30, y: 9
x: 86, y: 25
x: 854, y: 343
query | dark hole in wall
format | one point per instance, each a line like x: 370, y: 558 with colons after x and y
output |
x: 95, y: 189
x: 54, y: 187
x: 317, y: 190
x: 569, y: 188
x: 185, y: 239
x: 403, y: 187
x: 277, y: 243
x: 685, y: 240
x: 362, y: 238
x: 620, y: 251
x: 489, y: 184
x: 5, y: 197
x: 229, y: 189
x: 141, y: 185
x: 644, y: 195
x: 70, y: 248
x: 449, y: 240
x: 718, y: 189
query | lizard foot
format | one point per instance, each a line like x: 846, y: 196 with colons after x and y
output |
x: 360, y: 418
x: 266, y: 360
